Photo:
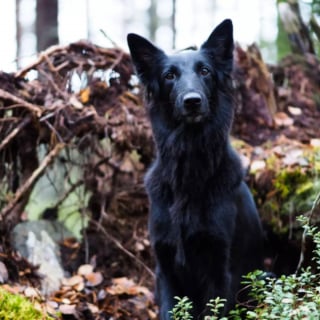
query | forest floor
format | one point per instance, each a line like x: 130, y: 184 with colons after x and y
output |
x: 109, y: 274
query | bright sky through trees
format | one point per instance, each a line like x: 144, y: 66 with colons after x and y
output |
x: 79, y: 19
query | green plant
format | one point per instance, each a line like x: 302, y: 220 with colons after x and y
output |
x: 295, y: 296
x: 292, y: 297
x: 292, y: 192
x: 215, y: 306
x: 13, y: 307
x: 288, y: 297
x: 181, y: 311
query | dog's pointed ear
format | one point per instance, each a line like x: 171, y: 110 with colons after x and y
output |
x: 220, y: 41
x: 143, y: 54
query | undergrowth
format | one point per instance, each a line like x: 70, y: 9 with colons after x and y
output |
x: 17, y: 307
x: 292, y: 297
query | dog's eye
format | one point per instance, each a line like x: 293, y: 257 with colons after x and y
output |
x: 169, y: 75
x: 204, y: 71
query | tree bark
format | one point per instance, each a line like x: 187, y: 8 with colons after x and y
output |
x: 298, y: 33
x: 47, y: 24
x: 153, y: 20
x: 173, y: 23
x: 18, y: 33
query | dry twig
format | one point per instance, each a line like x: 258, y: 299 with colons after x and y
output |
x: 14, y: 132
x: 32, y: 107
x: 32, y: 179
x: 122, y: 248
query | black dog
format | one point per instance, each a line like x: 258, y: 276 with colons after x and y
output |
x: 204, y: 226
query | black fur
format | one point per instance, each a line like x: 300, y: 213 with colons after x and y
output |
x: 203, y: 225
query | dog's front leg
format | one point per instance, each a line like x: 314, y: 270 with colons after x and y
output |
x: 165, y: 294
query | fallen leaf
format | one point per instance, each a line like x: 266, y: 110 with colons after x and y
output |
x: 71, y: 243
x: 295, y: 111
x: 94, y: 279
x: 51, y: 307
x: 245, y: 161
x: 66, y: 301
x: 283, y: 120
x: 101, y: 294
x: 13, y: 289
x: 37, y: 305
x: 124, y: 285
x: 52, y: 304
x: 146, y: 242
x: 79, y: 287
x: 85, y: 95
x: 31, y: 292
x: 75, y: 103
x: 85, y: 269
x: 93, y: 308
x: 69, y: 309
x: 126, y: 165
x: 278, y: 151
x: 70, y: 282
x: 315, y: 142
x: 139, y: 246
x: 294, y: 156
x: 257, y: 165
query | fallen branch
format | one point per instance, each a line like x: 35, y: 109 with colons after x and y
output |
x: 32, y: 179
x: 33, y: 108
x: 122, y: 248
x: 14, y: 132
x: 66, y: 195
x: 53, y: 49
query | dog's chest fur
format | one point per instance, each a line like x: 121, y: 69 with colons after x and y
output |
x: 191, y: 179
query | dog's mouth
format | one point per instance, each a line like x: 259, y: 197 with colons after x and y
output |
x: 194, y: 117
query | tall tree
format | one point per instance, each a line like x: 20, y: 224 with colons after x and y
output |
x: 283, y: 44
x: 47, y: 24
x: 298, y: 33
x: 18, y: 33
x: 314, y: 23
x: 173, y: 23
x: 153, y: 19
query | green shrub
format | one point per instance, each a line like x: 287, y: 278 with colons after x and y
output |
x: 17, y: 307
x: 292, y: 297
x: 181, y: 311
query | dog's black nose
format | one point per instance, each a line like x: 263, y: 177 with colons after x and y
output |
x: 192, y: 100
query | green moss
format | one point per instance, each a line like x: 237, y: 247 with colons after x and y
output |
x: 287, y: 182
x: 272, y: 161
x: 13, y: 307
x: 294, y: 190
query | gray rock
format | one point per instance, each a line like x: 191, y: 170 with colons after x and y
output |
x: 38, y: 241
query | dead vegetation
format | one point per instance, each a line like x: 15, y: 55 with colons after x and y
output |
x: 82, y: 105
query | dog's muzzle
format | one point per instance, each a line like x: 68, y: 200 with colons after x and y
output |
x: 193, y: 107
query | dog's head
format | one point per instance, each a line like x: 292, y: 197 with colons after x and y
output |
x: 185, y: 85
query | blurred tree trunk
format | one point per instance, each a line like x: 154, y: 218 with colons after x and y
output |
x: 173, y: 23
x: 298, y: 33
x: 153, y: 20
x: 88, y: 9
x: 18, y: 33
x: 46, y: 24
x: 283, y: 45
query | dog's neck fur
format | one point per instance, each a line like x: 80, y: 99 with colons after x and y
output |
x: 195, y: 153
